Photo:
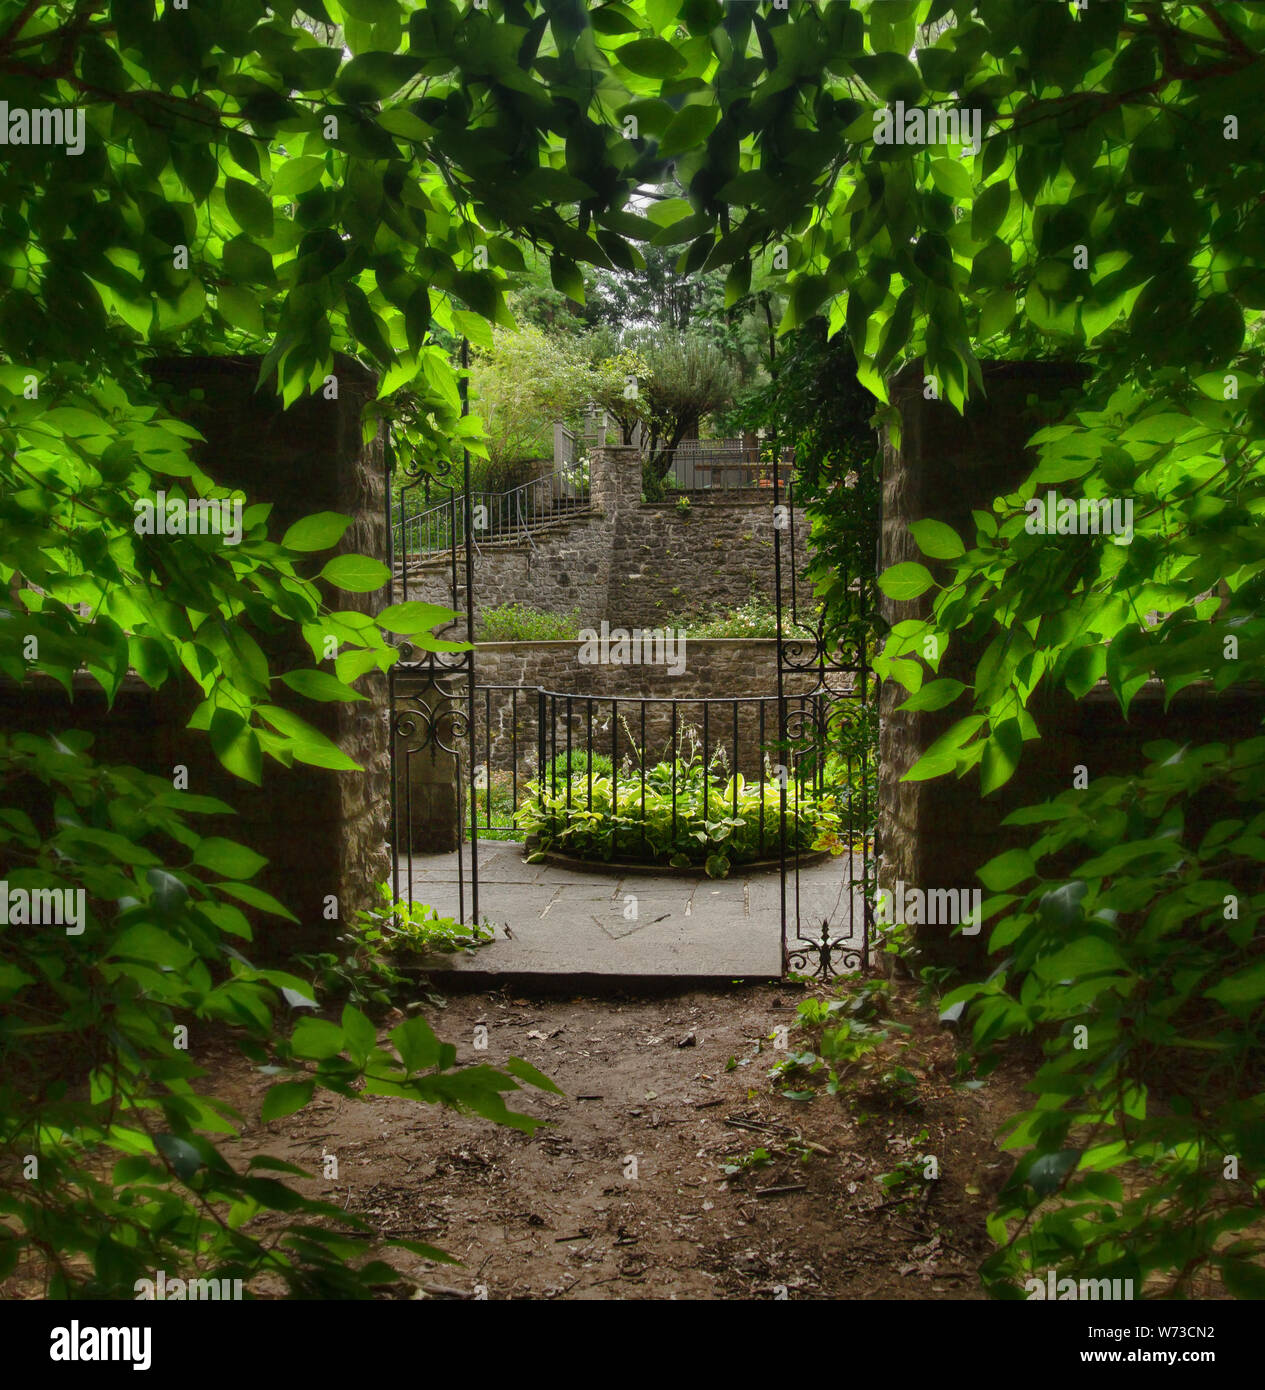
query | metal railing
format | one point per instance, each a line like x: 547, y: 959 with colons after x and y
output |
x: 703, y: 467
x: 494, y: 516
x: 672, y: 760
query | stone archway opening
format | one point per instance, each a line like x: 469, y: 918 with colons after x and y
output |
x: 620, y: 721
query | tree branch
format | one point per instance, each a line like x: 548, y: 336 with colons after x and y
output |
x: 1223, y: 27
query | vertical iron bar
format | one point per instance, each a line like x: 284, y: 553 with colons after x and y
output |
x: 513, y: 756
x: 673, y: 768
x: 642, y: 760
x: 761, y: 755
x: 783, y: 751
x: 707, y: 768
x: 461, y: 841
x: 733, y: 771
x: 463, y: 386
x: 588, y: 748
x: 392, y: 509
x: 487, y: 745
x: 395, y: 796
x: 541, y: 757
x: 552, y: 751
x: 615, y: 778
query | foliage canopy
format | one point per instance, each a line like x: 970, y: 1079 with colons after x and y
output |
x: 359, y: 177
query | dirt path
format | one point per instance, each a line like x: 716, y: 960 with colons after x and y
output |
x: 680, y: 1085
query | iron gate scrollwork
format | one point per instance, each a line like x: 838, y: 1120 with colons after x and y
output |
x: 827, y: 720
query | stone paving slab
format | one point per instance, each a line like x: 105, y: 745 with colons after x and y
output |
x: 552, y: 920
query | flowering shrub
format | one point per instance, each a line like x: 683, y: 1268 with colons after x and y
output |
x: 754, y: 618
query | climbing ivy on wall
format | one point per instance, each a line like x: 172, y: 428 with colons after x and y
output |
x: 816, y: 407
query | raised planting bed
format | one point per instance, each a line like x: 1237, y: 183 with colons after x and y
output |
x: 675, y: 820
x: 537, y: 855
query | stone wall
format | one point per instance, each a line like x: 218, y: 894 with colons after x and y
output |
x: 937, y: 833
x: 324, y: 833
x: 564, y: 570
x: 717, y: 555
x: 633, y: 563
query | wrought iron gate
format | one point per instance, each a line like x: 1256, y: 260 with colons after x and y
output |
x: 434, y: 768
x: 827, y: 715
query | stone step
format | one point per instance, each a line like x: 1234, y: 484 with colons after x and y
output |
x: 441, y: 558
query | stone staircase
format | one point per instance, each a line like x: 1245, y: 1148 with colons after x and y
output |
x: 565, y: 512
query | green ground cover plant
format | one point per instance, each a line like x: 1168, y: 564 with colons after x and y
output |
x: 519, y: 622
x: 680, y: 817
x: 371, y: 967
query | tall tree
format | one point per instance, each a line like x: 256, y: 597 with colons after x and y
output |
x: 686, y: 380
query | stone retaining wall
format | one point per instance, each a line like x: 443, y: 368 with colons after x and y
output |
x: 633, y: 563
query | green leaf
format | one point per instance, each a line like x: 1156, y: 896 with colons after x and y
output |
x: 1000, y: 756
x: 236, y: 745
x: 1006, y: 870
x: 1089, y: 955
x: 413, y: 617
x: 991, y: 266
x: 170, y: 892
x: 357, y: 574
x: 690, y: 126
x: 989, y: 210
x: 308, y: 745
x: 905, y: 581
x: 360, y: 1035
x: 256, y: 898
x: 319, y: 685
x: 938, y: 540
x: 241, y: 308
x: 1243, y: 987
x: 316, y: 532
x: 1048, y: 1171
x: 650, y: 58
x: 891, y: 75
x: 416, y: 1043
x: 738, y: 281
x: 180, y: 1153
x: 427, y: 1252
x: 997, y: 313
x: 285, y: 1098
x: 145, y: 942
x: 566, y: 278
x: 1242, y: 1277
x: 526, y: 1072
x: 228, y: 858
x: 316, y: 1039
x: 226, y: 918
x: 936, y: 695
x: 249, y: 207
x: 950, y: 176
x: 1216, y: 385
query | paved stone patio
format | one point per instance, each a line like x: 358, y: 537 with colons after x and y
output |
x: 555, y: 920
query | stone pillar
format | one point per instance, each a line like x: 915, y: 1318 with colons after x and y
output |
x: 615, y: 478
x: 324, y: 833
x: 615, y: 492
x: 935, y: 834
